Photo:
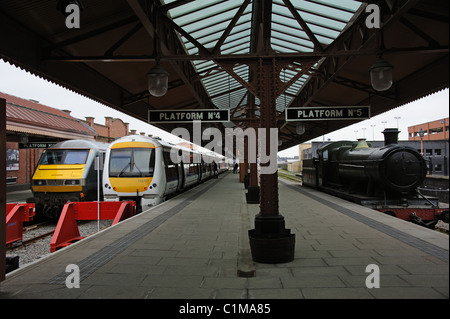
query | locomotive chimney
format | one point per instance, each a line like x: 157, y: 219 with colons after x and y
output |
x: 390, y: 136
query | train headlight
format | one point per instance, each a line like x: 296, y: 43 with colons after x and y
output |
x: 40, y: 182
x: 72, y: 182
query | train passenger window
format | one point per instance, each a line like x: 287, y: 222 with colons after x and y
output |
x: 132, y: 162
x: 191, y: 169
x: 171, y: 168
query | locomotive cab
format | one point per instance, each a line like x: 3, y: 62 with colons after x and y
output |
x: 65, y: 172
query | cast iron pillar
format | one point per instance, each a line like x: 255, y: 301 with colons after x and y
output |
x: 253, y: 187
x: 270, y: 241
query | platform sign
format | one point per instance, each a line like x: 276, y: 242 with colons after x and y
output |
x: 327, y: 113
x: 36, y: 145
x: 188, y: 116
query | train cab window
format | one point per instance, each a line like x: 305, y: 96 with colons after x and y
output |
x: 132, y: 162
x: 57, y: 157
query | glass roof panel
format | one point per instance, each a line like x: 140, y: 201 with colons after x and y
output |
x: 206, y: 21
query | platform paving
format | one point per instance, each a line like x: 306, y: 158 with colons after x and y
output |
x: 195, y: 246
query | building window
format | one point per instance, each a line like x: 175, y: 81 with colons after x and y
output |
x: 437, y: 152
x: 436, y: 130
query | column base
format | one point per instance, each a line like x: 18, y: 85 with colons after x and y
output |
x: 270, y: 241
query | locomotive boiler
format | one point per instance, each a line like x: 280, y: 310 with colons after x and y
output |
x: 384, y: 178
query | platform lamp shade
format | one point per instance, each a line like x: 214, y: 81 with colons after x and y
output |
x: 381, y: 75
x: 158, y: 80
x: 300, y: 128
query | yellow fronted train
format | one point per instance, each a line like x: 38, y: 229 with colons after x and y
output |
x: 147, y: 170
x: 65, y: 172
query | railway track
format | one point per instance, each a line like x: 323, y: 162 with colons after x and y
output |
x: 34, y: 233
x: 37, y: 238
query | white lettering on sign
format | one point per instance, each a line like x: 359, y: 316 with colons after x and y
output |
x: 327, y: 113
x: 186, y: 116
x: 320, y: 113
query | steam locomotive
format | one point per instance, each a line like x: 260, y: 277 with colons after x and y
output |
x: 385, y: 178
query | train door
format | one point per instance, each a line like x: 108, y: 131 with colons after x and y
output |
x: 172, y: 173
x: 181, y: 176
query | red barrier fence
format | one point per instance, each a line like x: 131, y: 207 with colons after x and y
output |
x: 16, y: 214
x: 67, y: 231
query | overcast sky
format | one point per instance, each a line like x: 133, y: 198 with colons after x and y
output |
x: 22, y: 84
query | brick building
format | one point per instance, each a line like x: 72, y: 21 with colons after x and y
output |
x: 432, y: 131
x: 28, y: 121
x: 112, y: 129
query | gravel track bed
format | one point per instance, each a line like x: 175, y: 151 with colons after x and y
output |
x: 41, y: 247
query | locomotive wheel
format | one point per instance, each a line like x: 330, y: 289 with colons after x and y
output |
x: 445, y: 216
x: 47, y: 211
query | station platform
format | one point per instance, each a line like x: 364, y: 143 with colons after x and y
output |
x: 195, y: 246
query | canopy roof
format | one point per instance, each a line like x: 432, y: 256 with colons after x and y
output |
x: 321, y: 49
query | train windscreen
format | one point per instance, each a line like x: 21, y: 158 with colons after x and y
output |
x: 132, y: 162
x: 58, y: 157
